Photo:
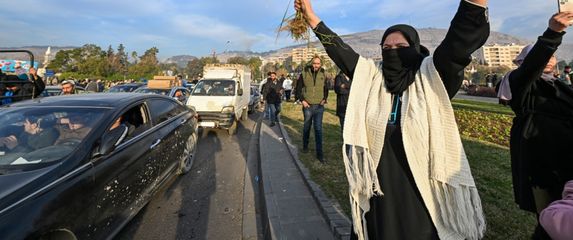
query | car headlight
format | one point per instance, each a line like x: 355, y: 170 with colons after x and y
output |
x: 228, y: 109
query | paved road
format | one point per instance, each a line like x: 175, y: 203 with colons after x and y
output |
x: 211, y: 201
x: 464, y: 95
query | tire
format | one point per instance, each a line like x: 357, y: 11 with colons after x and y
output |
x: 189, y: 154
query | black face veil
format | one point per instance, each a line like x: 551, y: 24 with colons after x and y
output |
x: 400, y: 65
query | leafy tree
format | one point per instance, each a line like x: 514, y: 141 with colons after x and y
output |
x: 170, y: 67
x: 238, y: 60
x: 122, y: 60
x: 62, y: 62
x: 255, y: 65
x: 195, y: 67
x: 134, y: 56
x: 148, y: 64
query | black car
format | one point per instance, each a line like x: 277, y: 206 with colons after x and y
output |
x: 81, y: 166
x: 128, y: 87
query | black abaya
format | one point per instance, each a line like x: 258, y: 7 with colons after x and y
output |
x: 401, y: 212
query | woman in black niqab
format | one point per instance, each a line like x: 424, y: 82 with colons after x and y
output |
x: 401, y: 63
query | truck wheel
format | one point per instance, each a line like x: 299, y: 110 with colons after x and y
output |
x: 233, y: 128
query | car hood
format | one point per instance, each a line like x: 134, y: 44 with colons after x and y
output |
x: 10, y: 183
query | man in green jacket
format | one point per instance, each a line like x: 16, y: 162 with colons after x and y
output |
x: 312, y: 91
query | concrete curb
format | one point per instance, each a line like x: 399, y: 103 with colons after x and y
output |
x: 332, y: 213
x: 268, y: 231
x: 253, y: 226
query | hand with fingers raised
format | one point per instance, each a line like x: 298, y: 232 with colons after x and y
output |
x: 560, y: 21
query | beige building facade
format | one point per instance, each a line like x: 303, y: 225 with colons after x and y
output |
x: 499, y: 55
x: 298, y: 55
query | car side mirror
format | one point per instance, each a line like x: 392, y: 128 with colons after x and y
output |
x: 240, y: 92
x: 112, y: 139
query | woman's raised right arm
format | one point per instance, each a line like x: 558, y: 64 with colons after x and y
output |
x: 521, y: 80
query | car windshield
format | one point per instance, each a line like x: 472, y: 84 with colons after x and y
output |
x: 155, y: 91
x: 214, y: 88
x: 43, y: 135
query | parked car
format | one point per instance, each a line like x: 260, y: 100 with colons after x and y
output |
x: 87, y: 185
x: 55, y: 90
x: 128, y: 87
x: 170, y: 92
x: 255, y: 100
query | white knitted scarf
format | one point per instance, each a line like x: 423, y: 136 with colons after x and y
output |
x: 432, y: 144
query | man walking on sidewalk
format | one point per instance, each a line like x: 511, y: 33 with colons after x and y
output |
x: 272, y: 92
x: 311, y: 89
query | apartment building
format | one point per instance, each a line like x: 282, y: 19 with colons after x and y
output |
x: 499, y: 55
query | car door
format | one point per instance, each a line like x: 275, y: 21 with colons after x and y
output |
x: 186, y: 94
x: 168, y: 116
x: 123, y: 176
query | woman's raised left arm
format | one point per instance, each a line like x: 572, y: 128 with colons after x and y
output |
x: 468, y: 31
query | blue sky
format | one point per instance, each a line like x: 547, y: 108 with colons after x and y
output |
x: 197, y: 27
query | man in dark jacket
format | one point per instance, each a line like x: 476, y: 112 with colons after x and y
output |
x: 272, y: 92
x: 342, y: 89
x: 312, y: 91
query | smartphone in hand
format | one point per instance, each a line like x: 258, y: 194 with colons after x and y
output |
x: 565, y: 5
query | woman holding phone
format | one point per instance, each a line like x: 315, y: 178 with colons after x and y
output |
x: 407, y: 171
x: 542, y: 130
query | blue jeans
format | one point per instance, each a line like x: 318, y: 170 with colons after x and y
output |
x: 313, y: 117
x: 274, y: 110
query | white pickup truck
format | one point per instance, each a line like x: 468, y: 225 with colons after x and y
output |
x: 221, y: 98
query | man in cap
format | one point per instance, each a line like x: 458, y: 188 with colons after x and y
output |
x: 68, y: 87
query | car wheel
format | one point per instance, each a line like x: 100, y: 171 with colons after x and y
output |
x: 188, y: 154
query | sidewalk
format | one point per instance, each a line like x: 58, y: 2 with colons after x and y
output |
x: 296, y: 208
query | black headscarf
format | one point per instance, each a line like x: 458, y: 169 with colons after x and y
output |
x: 400, y: 65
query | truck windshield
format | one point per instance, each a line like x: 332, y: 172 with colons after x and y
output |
x: 215, y: 88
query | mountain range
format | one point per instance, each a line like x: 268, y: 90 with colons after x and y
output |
x: 366, y: 44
